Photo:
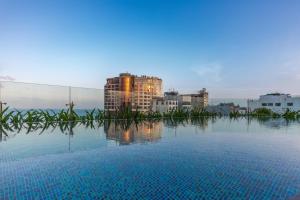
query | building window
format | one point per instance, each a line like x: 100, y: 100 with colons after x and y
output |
x: 290, y: 104
x: 270, y: 104
x: 264, y: 104
x: 277, y: 104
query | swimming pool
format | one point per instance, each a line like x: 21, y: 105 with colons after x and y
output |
x: 198, y: 159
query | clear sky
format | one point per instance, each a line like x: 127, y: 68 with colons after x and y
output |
x: 234, y: 48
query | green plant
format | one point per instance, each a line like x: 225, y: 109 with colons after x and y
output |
x: 262, y: 112
x: 291, y: 115
x: 5, y: 115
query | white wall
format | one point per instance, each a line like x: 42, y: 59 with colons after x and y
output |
x: 164, y: 106
x: 276, y: 103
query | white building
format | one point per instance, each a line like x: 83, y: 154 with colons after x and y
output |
x: 162, y: 105
x: 165, y: 104
x: 173, y: 101
x: 276, y: 102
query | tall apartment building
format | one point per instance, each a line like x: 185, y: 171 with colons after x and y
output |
x: 135, y: 92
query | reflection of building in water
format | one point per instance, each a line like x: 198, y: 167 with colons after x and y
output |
x: 201, y: 122
x: 275, y: 123
x: 134, y: 133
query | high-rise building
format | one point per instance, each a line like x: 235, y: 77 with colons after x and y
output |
x: 130, y: 91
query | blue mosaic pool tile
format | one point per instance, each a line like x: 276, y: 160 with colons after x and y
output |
x: 179, y: 169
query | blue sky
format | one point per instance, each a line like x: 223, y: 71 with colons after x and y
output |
x: 234, y: 48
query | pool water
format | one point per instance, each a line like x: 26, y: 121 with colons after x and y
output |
x: 198, y: 159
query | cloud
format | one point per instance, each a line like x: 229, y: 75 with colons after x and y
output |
x: 209, y: 72
x: 6, y: 78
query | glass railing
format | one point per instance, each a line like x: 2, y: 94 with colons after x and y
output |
x: 26, y: 96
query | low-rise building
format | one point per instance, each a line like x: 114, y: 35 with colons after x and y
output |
x: 185, y: 102
x: 277, y: 102
x: 193, y: 101
x: 225, y: 108
x: 165, y: 104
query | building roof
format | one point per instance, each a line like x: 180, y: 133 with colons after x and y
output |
x: 277, y: 94
x: 274, y: 94
x: 171, y: 93
x: 158, y: 98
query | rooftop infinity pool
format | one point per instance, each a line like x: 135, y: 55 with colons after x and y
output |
x: 198, y: 159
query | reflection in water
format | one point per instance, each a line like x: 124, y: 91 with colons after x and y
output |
x: 4, y: 129
x: 124, y: 133
x: 200, y: 122
x: 274, y: 123
x: 130, y: 132
x: 30, y: 140
x: 225, y: 153
x: 3, y: 135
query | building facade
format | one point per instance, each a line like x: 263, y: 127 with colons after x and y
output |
x: 277, y: 102
x: 226, y: 109
x: 173, y: 101
x: 130, y: 91
x: 193, y: 101
x: 185, y: 102
x: 165, y: 104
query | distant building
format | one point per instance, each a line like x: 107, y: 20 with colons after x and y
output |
x: 185, y: 102
x: 243, y: 110
x: 165, y: 104
x: 276, y: 102
x: 225, y: 109
x: 172, y: 101
x: 193, y: 101
x: 130, y: 91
